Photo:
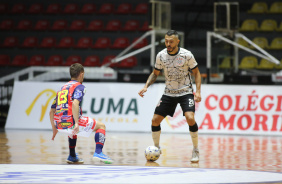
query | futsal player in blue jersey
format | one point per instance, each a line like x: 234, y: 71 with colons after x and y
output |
x: 66, y: 117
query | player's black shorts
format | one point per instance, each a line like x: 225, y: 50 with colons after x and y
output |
x: 167, y: 104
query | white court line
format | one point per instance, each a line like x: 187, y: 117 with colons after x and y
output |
x: 39, y: 173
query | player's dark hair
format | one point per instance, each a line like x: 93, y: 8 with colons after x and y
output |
x: 172, y: 32
x: 75, y: 70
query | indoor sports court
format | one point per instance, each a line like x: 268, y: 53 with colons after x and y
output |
x: 31, y: 157
x: 237, y: 48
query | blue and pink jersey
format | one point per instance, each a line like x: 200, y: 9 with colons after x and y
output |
x: 63, y: 102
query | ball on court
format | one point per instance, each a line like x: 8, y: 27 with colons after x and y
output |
x: 152, y: 153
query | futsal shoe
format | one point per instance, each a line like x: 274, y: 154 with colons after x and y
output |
x: 195, y: 155
x: 102, y: 157
x: 74, y: 160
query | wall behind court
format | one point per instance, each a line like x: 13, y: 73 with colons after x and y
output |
x: 224, y: 109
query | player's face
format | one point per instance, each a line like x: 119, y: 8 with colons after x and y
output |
x: 171, y: 43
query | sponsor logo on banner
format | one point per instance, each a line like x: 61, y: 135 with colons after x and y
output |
x: 235, y: 111
x: 119, y: 110
x: 48, y: 92
x: 257, y: 112
x: 116, y: 105
x: 223, y: 109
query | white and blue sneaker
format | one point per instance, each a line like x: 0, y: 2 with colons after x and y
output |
x: 74, y: 160
x: 102, y: 157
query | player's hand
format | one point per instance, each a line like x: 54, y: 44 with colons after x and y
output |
x: 142, y: 91
x: 75, y: 130
x: 197, y: 97
x: 55, y: 131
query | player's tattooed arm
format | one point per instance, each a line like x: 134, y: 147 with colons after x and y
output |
x: 152, y: 78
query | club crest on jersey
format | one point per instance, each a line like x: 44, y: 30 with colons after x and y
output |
x: 180, y: 61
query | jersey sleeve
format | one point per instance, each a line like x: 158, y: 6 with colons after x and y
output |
x: 192, y: 62
x: 53, y: 106
x: 159, y: 63
x: 79, y: 92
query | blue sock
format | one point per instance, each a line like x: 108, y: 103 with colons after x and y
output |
x: 100, y: 140
x: 99, y: 148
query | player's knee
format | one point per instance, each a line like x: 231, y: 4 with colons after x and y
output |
x: 100, y: 125
x: 155, y: 122
x: 103, y: 126
x: 190, y: 120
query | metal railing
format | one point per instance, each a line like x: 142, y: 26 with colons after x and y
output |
x: 5, y: 100
x: 5, y: 94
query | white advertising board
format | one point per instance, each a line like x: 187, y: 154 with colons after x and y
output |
x: 118, y: 105
x: 224, y: 109
x: 234, y: 109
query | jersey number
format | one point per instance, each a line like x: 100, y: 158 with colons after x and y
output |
x: 62, y: 97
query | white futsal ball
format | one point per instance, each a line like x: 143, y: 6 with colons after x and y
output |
x: 152, y: 153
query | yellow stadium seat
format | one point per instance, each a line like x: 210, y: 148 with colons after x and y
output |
x: 276, y: 7
x: 262, y: 42
x: 226, y: 63
x: 265, y: 64
x: 276, y: 43
x: 243, y: 42
x: 259, y: 7
x: 249, y: 25
x: 248, y: 62
x: 280, y: 27
x: 279, y: 67
x: 268, y: 25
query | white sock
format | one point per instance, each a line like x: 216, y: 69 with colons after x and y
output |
x: 194, y: 137
x: 156, y: 138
